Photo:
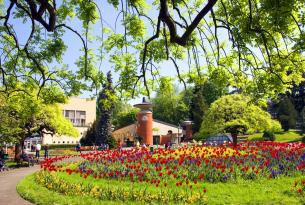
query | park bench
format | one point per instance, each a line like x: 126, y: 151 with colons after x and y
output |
x: 28, y: 159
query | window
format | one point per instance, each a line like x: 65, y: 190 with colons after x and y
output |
x: 58, y: 142
x: 63, y: 142
x: 70, y: 114
x: 54, y: 142
x: 80, y: 118
x: 68, y: 142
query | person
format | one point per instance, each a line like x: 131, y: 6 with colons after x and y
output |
x: 168, y: 145
x: 77, y: 147
x: 46, y: 151
x: 120, y: 145
x: 38, y: 148
x: 32, y: 148
x: 2, y: 153
x: 26, y: 158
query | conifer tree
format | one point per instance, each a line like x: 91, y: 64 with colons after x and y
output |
x: 105, y: 105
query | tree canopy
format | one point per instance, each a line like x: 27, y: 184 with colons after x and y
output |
x: 254, y: 45
x: 236, y: 114
x: 23, y: 114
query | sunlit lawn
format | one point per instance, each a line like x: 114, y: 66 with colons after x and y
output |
x: 263, y: 191
x: 289, y: 136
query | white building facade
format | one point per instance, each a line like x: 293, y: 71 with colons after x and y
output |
x: 82, y: 113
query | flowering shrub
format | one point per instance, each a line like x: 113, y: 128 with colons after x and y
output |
x: 53, y: 182
x: 185, y: 167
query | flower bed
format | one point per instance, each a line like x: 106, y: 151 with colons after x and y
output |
x: 171, y: 170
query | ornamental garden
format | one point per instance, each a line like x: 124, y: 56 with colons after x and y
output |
x: 251, y: 173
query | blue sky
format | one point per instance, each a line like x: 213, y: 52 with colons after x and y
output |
x: 74, y: 43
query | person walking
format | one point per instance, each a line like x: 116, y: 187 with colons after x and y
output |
x: 46, y: 151
x: 38, y: 148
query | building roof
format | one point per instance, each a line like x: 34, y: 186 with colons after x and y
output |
x: 159, y: 128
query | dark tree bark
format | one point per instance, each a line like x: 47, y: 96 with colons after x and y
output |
x: 234, y: 136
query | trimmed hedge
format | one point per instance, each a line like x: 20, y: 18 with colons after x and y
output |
x: 62, y: 146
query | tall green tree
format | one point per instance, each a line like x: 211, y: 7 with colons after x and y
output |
x: 236, y: 114
x: 202, y: 96
x: 22, y: 115
x: 105, y: 106
x: 168, y: 105
x: 287, y: 113
x: 125, y: 118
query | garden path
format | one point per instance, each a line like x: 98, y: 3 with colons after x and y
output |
x: 8, y: 182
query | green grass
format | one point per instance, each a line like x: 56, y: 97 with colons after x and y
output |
x: 61, y: 152
x: 289, y: 136
x: 263, y: 191
x: 37, y: 194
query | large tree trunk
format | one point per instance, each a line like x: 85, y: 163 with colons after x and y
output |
x: 234, y: 136
x: 18, y: 150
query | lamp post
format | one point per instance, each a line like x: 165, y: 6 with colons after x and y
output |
x: 179, y: 128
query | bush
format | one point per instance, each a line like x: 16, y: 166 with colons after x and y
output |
x: 200, y: 137
x: 269, y: 136
x: 303, y: 139
x: 62, y: 146
x: 111, y: 142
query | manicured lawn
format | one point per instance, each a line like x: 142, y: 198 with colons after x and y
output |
x: 251, y: 173
x: 37, y: 194
x: 263, y: 191
x: 289, y: 136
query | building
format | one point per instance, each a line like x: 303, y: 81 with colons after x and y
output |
x: 162, y: 133
x: 152, y: 132
x: 81, y: 112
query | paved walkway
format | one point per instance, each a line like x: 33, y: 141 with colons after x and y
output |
x: 8, y: 183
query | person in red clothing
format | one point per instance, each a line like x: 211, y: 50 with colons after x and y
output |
x: 120, y: 145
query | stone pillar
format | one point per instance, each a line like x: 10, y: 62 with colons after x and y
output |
x: 145, y: 126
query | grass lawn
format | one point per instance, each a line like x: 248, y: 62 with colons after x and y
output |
x: 289, y: 136
x: 263, y: 191
x: 37, y: 194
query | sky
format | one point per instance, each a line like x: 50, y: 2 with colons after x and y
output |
x: 74, y: 43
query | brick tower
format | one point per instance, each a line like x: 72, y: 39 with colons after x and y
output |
x: 145, y: 122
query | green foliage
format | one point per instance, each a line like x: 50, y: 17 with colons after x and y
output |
x: 235, y: 114
x: 201, y: 97
x: 23, y: 114
x: 125, y: 118
x: 287, y: 114
x: 90, y: 138
x: 260, y: 54
x: 268, y: 135
x: 111, y: 142
x: 105, y: 105
x: 168, y: 105
x: 135, y: 26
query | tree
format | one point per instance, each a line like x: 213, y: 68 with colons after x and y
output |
x: 105, y: 106
x: 168, y: 105
x: 90, y: 138
x: 287, y: 114
x: 235, y: 114
x: 258, y: 44
x: 22, y: 115
x: 202, y: 96
x: 125, y: 118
